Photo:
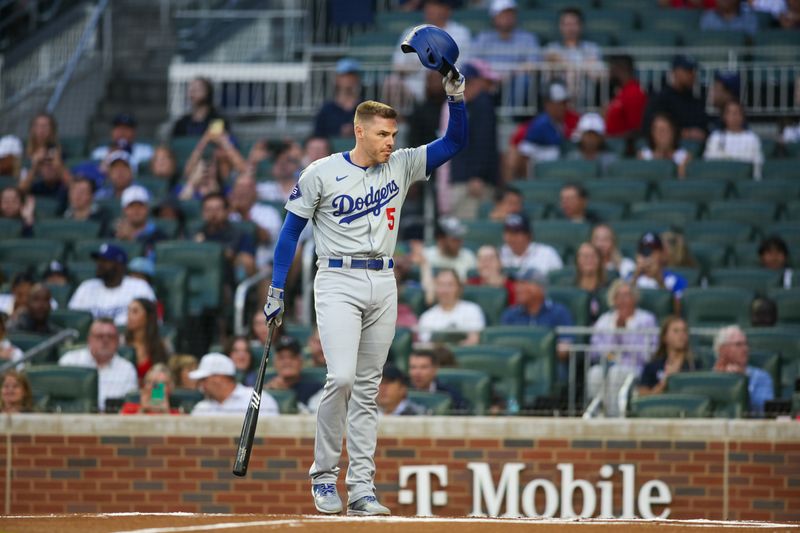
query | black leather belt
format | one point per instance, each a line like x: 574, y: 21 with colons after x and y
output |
x: 371, y: 264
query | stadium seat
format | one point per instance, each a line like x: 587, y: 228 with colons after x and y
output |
x: 480, y: 232
x: 727, y: 391
x: 286, y: 398
x: 561, y: 232
x: 607, y: 211
x: 788, y: 303
x: 203, y: 262
x: 616, y: 190
x: 692, y: 275
x: 784, y: 46
x: 69, y: 389
x: 779, y: 169
x: 726, y: 170
x: 563, y: 277
x: 778, y: 191
x: 47, y: 207
x: 10, y: 228
x: 474, y: 386
x: 414, y: 297
x: 80, y: 271
x: 112, y: 206
x: 538, y: 346
x: 394, y: 22
x: 169, y: 227
x: 83, y: 248
x: 758, y: 280
x: 73, y: 147
x: 638, y: 169
x: 26, y: 341
x: 534, y: 211
x: 74, y: 319
x: 679, y: 20
x: 615, y: 21
x: 504, y: 364
x: 709, y: 255
x: 629, y: 232
x: 492, y: 300
x: 574, y: 299
x: 300, y: 332
x: 60, y: 293
x: 314, y: 374
x: 566, y: 169
x: 745, y: 254
x: 435, y: 403
x: 651, y: 38
x: 717, y: 306
x: 671, y: 405
x: 660, y: 302
x: 31, y: 252
x: 674, y: 214
x: 539, y: 191
x: 400, y: 348
x: 169, y: 284
x: 770, y: 362
x: 185, y: 399
x: 157, y: 187
x: 785, y: 341
x: 717, y: 232
x: 792, y: 211
x: 541, y: 22
x: 753, y: 212
x: 372, y: 39
x: 713, y: 45
x: 699, y: 191
x: 66, y: 230
x: 182, y: 147
x: 788, y: 231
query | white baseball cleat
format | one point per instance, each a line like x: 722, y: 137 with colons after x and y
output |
x: 326, y: 498
x: 367, y: 506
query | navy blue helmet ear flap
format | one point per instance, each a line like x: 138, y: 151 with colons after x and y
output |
x: 435, y: 48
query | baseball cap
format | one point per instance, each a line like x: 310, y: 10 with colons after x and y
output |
x: 124, y: 119
x: 287, y: 342
x: 55, y: 268
x: 348, y: 65
x: 517, y: 222
x: 392, y: 374
x: 214, y: 364
x: 557, y: 92
x: 684, y: 61
x: 142, y: 265
x: 532, y: 276
x: 111, y: 252
x: 501, y: 5
x: 135, y: 193
x: 730, y: 80
x: 452, y: 227
x: 119, y: 155
x: 648, y: 243
x: 589, y: 122
x: 10, y: 145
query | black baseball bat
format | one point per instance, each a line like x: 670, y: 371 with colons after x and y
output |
x: 251, y: 416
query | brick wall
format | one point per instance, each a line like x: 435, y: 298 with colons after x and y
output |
x: 737, y: 470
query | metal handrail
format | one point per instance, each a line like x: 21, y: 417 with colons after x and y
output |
x: 69, y: 69
x: 240, y: 299
x: 45, y: 345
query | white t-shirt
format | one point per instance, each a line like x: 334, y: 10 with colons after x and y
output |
x: 464, y: 316
x: 462, y: 263
x: 736, y: 146
x: 236, y: 404
x: 540, y: 257
x: 114, y: 380
x: 678, y: 157
x: 92, y: 295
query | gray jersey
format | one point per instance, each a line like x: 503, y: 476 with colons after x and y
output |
x: 356, y: 211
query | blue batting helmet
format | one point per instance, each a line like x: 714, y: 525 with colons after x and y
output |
x: 434, y: 46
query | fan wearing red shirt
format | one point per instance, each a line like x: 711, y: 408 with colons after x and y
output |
x: 625, y: 112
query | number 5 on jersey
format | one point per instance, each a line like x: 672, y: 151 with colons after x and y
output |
x: 390, y: 216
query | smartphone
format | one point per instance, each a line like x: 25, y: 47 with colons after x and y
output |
x: 157, y: 394
x: 217, y: 126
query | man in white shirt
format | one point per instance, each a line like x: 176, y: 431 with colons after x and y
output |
x: 448, y: 251
x: 109, y: 294
x: 521, y: 253
x: 224, y: 396
x: 451, y: 314
x: 116, y: 376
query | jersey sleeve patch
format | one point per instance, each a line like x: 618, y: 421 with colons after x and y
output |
x: 296, y: 193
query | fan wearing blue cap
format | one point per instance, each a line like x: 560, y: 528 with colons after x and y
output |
x: 108, y: 294
x: 335, y: 117
x: 677, y: 100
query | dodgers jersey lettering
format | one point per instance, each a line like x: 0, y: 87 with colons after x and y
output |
x: 356, y: 211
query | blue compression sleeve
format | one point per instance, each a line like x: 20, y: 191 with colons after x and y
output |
x: 455, y: 138
x: 285, y: 248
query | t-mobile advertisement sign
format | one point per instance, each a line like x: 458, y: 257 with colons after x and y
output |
x: 540, y: 497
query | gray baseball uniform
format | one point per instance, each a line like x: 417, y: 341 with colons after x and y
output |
x: 355, y: 212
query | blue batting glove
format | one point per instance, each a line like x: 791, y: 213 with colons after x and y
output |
x: 273, y: 309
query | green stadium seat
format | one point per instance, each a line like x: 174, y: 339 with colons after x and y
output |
x: 480, y: 232
x: 678, y: 20
x: 286, y: 398
x: 414, y: 297
x: 758, y: 280
x: 538, y: 346
x: 718, y: 232
x: 671, y: 405
x: 31, y: 252
x: 629, y: 232
x: 574, y: 299
x: 727, y: 391
x: 66, y: 230
x: 534, y: 211
x: 543, y: 23
x: 558, y: 5
x: 504, y: 364
x: 745, y: 254
x: 373, y: 39
x: 616, y: 190
x: 783, y: 46
x: 170, y: 227
x: 313, y: 374
x: 785, y: 341
x: 185, y: 399
x: 607, y: 211
x: 435, y: 403
x: 82, y: 249
x: 616, y: 21
x: 394, y: 22
x: 770, y: 362
x: 753, y: 212
x: 717, y: 306
x: 725, y: 170
x: 157, y: 187
x: 8, y: 181
x: 182, y: 147
x: 779, y: 191
x: 561, y: 233
x: 10, y: 229
x: 73, y: 319
x: 47, y: 207
x: 788, y: 231
x: 714, y: 45
x: 692, y: 275
x: 203, y: 262
x: 60, y: 293
x: 788, y: 303
x: 80, y: 271
x: 492, y: 300
x: 701, y: 191
x: 73, y: 147
x: 639, y: 169
x: 566, y: 169
x: 675, y: 214
x: 660, y: 302
x: 474, y: 386
x: 169, y: 284
x: 792, y: 211
x: 26, y: 341
x: 542, y: 192
x: 112, y: 206
x: 300, y: 332
x: 601, y: 37
x: 563, y: 277
x: 709, y: 255
x: 779, y: 169
x: 651, y: 38
x: 69, y: 389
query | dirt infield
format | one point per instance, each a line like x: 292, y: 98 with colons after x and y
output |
x: 187, y: 522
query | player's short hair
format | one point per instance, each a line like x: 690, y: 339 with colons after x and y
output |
x: 369, y: 109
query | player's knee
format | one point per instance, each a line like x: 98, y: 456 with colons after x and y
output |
x: 342, y: 382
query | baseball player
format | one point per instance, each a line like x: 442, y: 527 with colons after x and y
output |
x: 353, y: 200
